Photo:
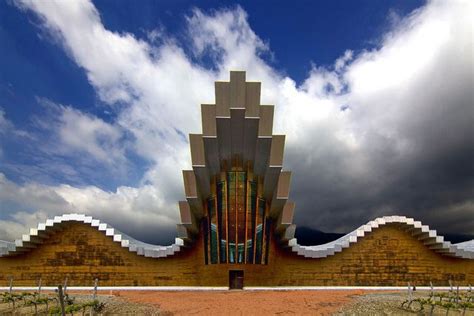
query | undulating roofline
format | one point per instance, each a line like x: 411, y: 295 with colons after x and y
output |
x: 422, y: 232
x: 42, y: 232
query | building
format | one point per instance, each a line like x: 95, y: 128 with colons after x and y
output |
x: 236, y: 225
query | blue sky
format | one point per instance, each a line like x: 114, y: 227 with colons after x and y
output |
x: 93, y: 116
x: 317, y: 32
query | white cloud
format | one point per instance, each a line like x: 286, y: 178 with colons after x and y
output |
x: 407, y: 111
x: 8, y: 132
x: 139, y: 210
x: 19, y: 224
x: 70, y: 145
x: 125, y: 69
x: 4, y: 126
x: 4, y: 123
x: 83, y: 132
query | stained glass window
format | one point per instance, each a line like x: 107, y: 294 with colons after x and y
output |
x: 259, y: 231
x: 222, y: 219
x: 212, y: 229
x: 251, y: 213
x: 236, y: 216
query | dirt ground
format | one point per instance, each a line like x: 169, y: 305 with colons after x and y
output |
x: 244, y: 302
x: 113, y: 306
x: 318, y: 302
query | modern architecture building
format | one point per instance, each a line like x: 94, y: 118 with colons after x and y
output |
x: 236, y: 225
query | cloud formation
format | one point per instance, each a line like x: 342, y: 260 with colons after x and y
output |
x: 386, y: 131
x: 74, y: 132
x: 138, y: 211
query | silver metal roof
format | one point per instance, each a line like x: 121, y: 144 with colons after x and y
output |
x: 36, y: 236
x: 415, y: 228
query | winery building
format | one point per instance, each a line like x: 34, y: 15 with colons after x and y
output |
x: 236, y: 226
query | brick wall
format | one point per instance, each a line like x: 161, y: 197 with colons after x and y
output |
x: 387, y: 256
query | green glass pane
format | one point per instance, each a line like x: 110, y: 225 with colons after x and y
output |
x: 222, y: 218
x: 240, y: 253
x: 213, y: 243
x: 258, y: 252
x: 213, y: 230
x: 231, y: 253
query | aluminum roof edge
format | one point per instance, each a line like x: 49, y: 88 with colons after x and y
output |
x: 32, y: 240
x: 422, y: 232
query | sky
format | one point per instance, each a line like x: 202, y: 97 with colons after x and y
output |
x: 376, y: 99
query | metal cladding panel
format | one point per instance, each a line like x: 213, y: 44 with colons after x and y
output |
x: 250, y: 138
x: 252, y: 99
x: 237, y: 127
x: 287, y: 214
x: 277, y: 150
x: 201, y: 172
x: 270, y: 183
x: 237, y: 89
x: 284, y: 181
x: 237, y: 117
x: 285, y: 218
x: 224, y: 138
x: 203, y: 180
x: 281, y: 193
x: 211, y: 150
x: 208, y: 117
x: 183, y: 232
x: 262, y: 153
x: 222, y: 99
x: 265, y: 128
x: 289, y: 232
x: 197, y: 150
x: 190, y: 188
x: 185, y: 213
x: 196, y: 207
x: 187, y: 218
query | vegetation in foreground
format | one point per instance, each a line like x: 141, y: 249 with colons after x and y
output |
x: 50, y: 304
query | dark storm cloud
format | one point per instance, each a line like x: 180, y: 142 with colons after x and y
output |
x: 419, y: 162
x: 387, y: 131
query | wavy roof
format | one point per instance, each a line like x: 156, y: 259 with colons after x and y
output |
x: 467, y: 245
x: 415, y: 228
x: 422, y: 232
x: 38, y: 235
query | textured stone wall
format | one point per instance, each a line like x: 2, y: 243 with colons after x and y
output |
x: 387, y: 256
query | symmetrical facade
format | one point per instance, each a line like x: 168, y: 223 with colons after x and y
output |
x: 236, y: 222
x: 236, y: 183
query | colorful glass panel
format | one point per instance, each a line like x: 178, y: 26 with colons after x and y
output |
x: 232, y: 220
x: 222, y: 219
x: 212, y: 229
x: 259, y: 231
x: 236, y: 218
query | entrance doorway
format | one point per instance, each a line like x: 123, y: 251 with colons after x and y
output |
x: 236, y: 279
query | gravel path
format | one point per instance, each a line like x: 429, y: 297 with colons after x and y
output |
x: 113, y: 306
x: 389, y: 303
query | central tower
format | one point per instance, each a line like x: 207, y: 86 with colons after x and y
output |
x: 237, y: 192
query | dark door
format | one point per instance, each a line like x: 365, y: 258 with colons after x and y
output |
x: 236, y: 279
